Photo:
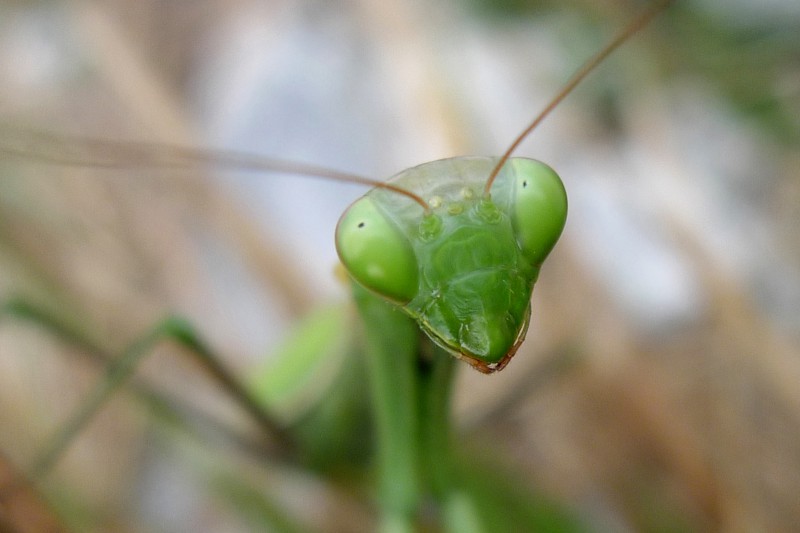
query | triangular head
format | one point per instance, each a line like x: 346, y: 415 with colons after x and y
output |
x: 464, y: 269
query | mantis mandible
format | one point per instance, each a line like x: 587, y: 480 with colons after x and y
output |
x: 457, y: 245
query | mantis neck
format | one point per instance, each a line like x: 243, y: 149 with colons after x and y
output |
x: 410, y: 384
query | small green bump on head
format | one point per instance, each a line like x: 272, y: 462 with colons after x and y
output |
x: 430, y: 227
x: 488, y: 211
x: 539, y: 208
x: 375, y: 253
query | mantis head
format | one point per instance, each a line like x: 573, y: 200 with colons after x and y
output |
x: 464, y: 268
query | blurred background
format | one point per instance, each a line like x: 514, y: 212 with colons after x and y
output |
x: 659, y: 388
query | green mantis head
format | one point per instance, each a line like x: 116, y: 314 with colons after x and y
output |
x: 465, y: 269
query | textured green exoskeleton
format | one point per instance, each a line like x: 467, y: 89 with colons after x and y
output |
x: 465, y: 269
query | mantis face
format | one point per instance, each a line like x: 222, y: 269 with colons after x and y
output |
x: 465, y: 269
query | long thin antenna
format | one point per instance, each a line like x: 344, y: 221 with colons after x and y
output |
x: 83, y: 151
x: 637, y: 24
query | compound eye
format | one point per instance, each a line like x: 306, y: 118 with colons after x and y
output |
x: 376, y: 253
x: 539, y: 208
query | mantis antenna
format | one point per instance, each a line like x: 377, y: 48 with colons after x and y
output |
x: 84, y: 151
x: 637, y: 24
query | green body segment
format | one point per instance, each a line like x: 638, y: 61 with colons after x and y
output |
x: 465, y: 270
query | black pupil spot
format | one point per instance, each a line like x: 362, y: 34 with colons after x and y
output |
x: 524, y: 184
x: 361, y: 224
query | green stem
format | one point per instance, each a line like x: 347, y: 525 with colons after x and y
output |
x: 120, y: 370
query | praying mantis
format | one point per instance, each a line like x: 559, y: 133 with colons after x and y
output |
x: 410, y: 391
